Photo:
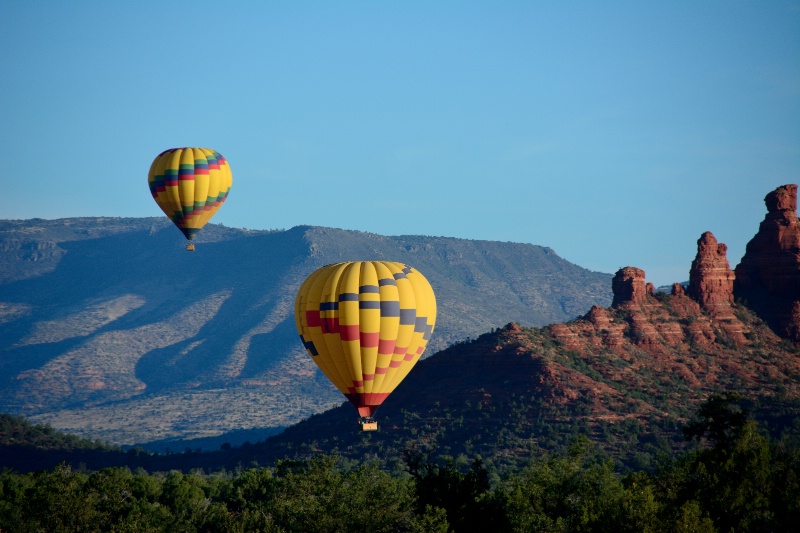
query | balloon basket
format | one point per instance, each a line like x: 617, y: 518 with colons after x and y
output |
x: 367, y: 423
x: 190, y: 247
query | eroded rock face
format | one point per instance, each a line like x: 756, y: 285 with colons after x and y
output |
x: 628, y: 285
x: 711, y: 283
x: 649, y: 322
x: 768, y: 277
x: 711, y: 277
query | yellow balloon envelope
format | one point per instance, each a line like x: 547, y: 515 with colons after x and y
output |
x: 190, y: 185
x: 365, y: 324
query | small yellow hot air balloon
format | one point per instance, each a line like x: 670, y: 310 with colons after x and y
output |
x: 189, y: 185
x: 365, y: 324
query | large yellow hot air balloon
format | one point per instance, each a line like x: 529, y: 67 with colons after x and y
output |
x: 189, y: 185
x: 365, y: 324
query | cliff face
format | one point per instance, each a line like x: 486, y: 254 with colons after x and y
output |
x: 711, y: 277
x: 767, y: 280
x: 628, y: 285
x: 658, y: 325
x: 768, y: 277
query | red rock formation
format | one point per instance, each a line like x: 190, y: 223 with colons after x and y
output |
x: 628, y: 285
x: 768, y: 277
x: 711, y: 277
x: 711, y: 285
x: 608, y: 332
x: 634, y: 295
x: 664, y: 332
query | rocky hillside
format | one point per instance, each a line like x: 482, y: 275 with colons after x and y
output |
x: 628, y: 376
x: 109, y: 329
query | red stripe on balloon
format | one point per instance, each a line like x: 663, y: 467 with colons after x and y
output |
x: 370, y: 340
x: 349, y: 333
x: 367, y: 401
x: 386, y: 346
x: 330, y: 325
x: 313, y: 320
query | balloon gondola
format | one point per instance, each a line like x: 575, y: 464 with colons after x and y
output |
x: 365, y: 324
x: 190, y: 185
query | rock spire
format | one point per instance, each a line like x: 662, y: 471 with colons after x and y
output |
x: 711, y: 277
x: 768, y: 276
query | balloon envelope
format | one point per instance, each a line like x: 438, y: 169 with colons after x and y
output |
x: 365, y: 324
x: 189, y: 185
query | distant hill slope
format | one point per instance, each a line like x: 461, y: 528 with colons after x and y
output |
x: 517, y: 392
x: 110, y: 330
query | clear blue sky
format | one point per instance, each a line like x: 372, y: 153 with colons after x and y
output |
x: 613, y: 132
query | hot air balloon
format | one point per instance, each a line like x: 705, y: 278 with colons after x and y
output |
x: 189, y: 185
x: 365, y: 324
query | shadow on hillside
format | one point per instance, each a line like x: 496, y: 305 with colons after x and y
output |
x: 254, y: 271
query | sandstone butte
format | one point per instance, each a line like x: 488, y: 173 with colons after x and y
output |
x: 701, y: 336
x: 767, y: 281
x: 649, y: 357
x: 768, y: 276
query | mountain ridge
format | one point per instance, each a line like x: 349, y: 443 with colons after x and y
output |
x: 520, y: 392
x: 629, y: 358
x: 107, y: 324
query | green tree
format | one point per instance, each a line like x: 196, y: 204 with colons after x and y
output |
x: 185, y: 496
x: 738, y: 479
x: 13, y: 491
x: 720, y: 420
x: 577, y: 492
x: 465, y: 496
x: 316, y: 496
x: 57, y: 502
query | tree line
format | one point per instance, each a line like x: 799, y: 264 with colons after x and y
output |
x: 735, y: 479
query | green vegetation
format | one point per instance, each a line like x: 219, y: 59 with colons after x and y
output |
x: 15, y: 430
x: 735, y: 479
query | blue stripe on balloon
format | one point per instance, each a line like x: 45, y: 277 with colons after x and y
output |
x: 369, y: 289
x: 408, y: 317
x: 390, y: 309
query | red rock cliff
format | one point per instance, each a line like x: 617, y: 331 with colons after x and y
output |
x: 711, y: 277
x: 628, y: 285
x: 711, y: 285
x: 768, y: 277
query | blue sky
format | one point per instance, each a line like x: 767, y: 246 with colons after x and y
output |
x: 615, y: 133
